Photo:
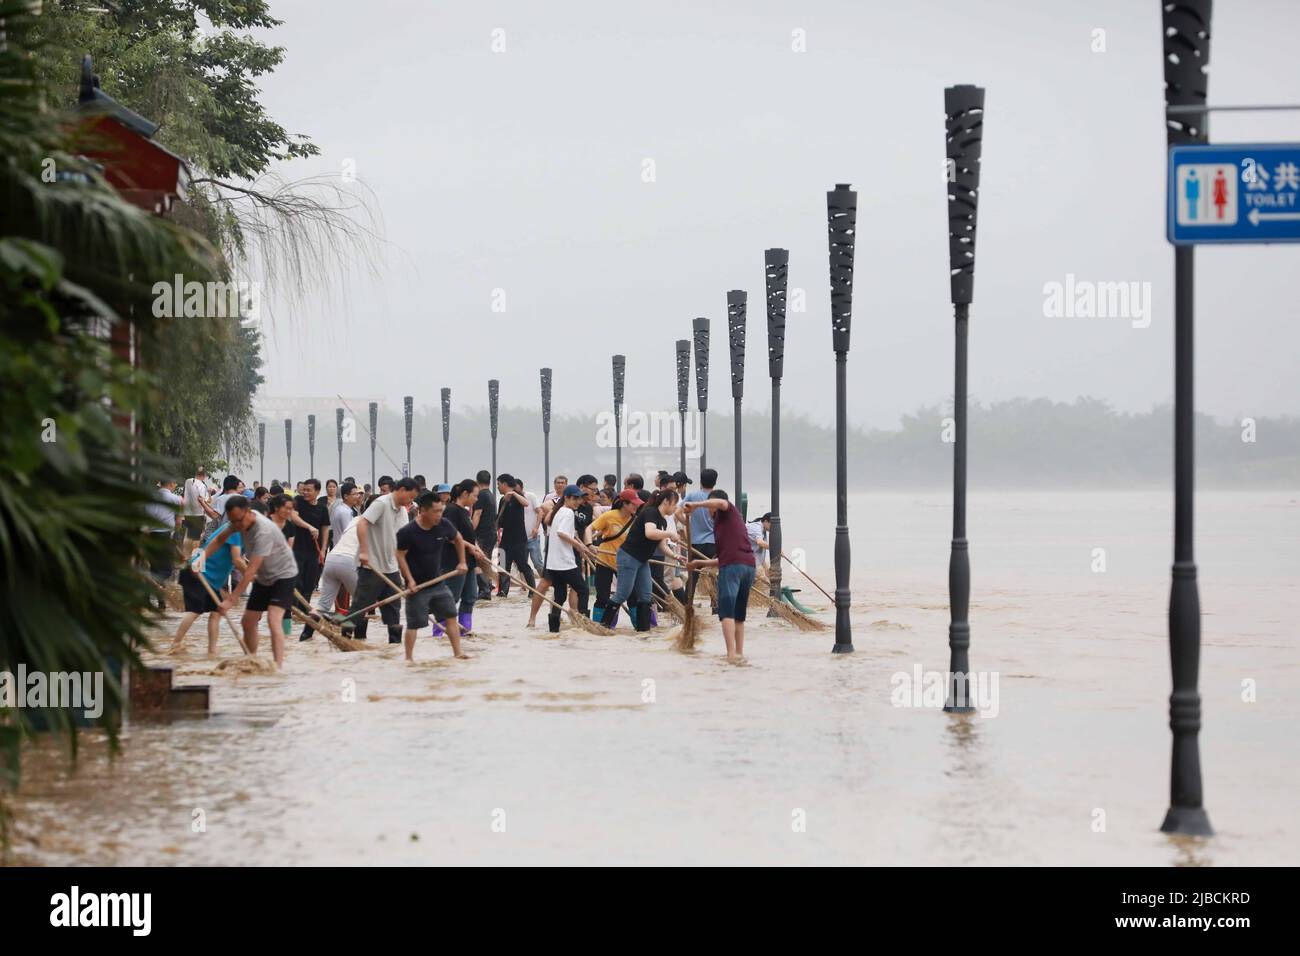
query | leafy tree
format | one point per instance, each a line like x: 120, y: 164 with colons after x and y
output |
x: 72, y: 499
x: 192, y: 67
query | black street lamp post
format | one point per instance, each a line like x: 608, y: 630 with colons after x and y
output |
x: 683, y: 388
x: 620, y: 371
x: 494, y: 391
x: 841, y: 225
x: 288, y: 450
x: 737, y: 303
x: 701, y: 329
x: 964, y: 108
x: 776, y: 263
x: 446, y: 432
x: 1186, y: 25
x: 374, y: 427
x: 338, y: 431
x: 311, y: 446
x: 408, y: 409
x: 261, y: 453
x: 546, y: 426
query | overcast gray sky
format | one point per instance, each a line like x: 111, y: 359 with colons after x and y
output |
x: 522, y: 171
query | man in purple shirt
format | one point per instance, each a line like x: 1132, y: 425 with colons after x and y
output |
x: 735, y: 564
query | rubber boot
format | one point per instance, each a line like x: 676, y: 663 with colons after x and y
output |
x: 395, y: 634
x: 654, y: 616
x: 437, y: 629
x: 466, y: 623
x: 287, y: 625
x: 553, y: 622
x: 642, y: 616
x: 611, y: 617
x: 598, y: 612
x: 307, y: 632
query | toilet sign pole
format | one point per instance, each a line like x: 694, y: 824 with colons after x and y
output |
x: 1186, y: 29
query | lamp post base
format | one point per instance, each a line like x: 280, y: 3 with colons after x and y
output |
x: 951, y: 708
x: 1187, y: 821
x: 842, y: 649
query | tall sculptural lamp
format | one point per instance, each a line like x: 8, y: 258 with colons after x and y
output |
x: 1186, y: 28
x: 338, y: 431
x: 288, y: 450
x: 446, y: 432
x: 701, y: 329
x: 546, y: 426
x: 775, y: 266
x: 683, y: 388
x: 494, y: 391
x: 964, y: 109
x: 737, y: 300
x: 374, y: 428
x: 620, y: 370
x: 408, y: 410
x: 311, y: 446
x: 841, y: 225
x: 261, y: 453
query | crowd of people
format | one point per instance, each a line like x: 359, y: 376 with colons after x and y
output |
x: 594, y: 548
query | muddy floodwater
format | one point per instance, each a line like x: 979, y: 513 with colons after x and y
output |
x: 571, y: 748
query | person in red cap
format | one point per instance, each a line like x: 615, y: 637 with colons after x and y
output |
x: 608, y: 532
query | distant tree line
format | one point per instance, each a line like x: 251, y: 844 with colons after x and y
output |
x: 1016, y: 443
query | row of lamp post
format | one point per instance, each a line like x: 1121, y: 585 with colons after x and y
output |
x: 1186, y: 47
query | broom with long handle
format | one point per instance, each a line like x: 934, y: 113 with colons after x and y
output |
x: 684, y: 640
x: 586, y: 623
x: 788, y: 614
x: 313, y: 618
x: 389, y: 600
x: 229, y: 622
x: 807, y: 576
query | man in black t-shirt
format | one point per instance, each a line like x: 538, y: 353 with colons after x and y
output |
x: 514, y: 532
x: 484, y: 515
x: 585, y: 513
x: 464, y: 588
x: 420, y: 545
x: 308, y: 548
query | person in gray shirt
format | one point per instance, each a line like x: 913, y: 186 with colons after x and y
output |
x: 271, y: 567
x: 377, y: 556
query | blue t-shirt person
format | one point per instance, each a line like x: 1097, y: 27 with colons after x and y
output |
x: 701, y: 518
x: 217, y: 567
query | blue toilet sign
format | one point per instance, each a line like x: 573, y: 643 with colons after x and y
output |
x: 1234, y: 193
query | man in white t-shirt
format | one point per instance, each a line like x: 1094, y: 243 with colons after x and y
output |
x: 377, y: 529
x: 562, y: 551
x: 193, y: 497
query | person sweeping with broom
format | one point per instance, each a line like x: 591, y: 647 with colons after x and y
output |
x: 214, y: 565
x: 420, y: 547
x: 609, y: 531
x: 271, y: 569
x: 735, y: 564
x: 562, y: 553
x: 648, y: 529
